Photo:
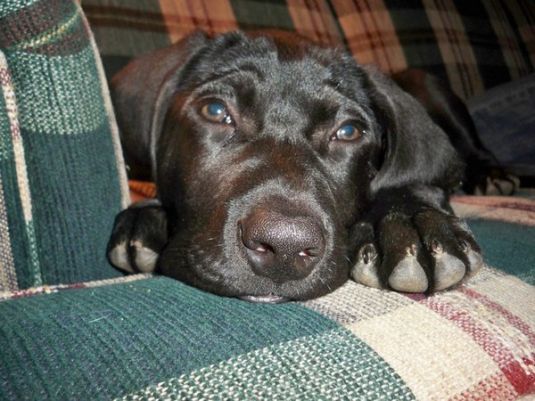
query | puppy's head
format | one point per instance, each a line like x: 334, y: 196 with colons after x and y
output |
x: 264, y: 154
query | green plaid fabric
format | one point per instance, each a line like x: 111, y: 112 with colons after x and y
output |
x: 474, y: 44
x: 60, y: 179
x: 154, y: 338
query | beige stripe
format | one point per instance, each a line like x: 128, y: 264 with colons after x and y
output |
x: 459, y: 59
x: 18, y: 149
x: 8, y: 274
x: 23, y: 184
x: 383, y: 22
x: 51, y: 35
x: 409, y: 339
x: 120, y: 165
x: 212, y: 16
x: 526, y: 29
x: 352, y: 25
x: 508, y: 44
x: 513, y: 294
x: 316, y: 24
x: 355, y: 302
x: 496, y: 208
x: 51, y: 289
x: 371, y: 35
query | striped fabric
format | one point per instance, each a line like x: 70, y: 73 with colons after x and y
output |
x: 153, y: 338
x: 61, y: 175
x: 474, y: 44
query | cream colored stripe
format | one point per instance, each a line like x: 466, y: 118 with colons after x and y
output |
x: 509, y: 46
x: 51, y: 35
x: 410, y: 339
x: 112, y: 122
x: 50, y: 289
x: 393, y: 50
x: 457, y: 64
x: 212, y: 16
x: 353, y: 26
x: 8, y: 274
x: 20, y: 168
x: 494, y: 213
x: 513, y: 294
x: 18, y: 149
x: 525, y: 27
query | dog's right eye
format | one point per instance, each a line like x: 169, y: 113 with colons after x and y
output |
x: 216, y: 112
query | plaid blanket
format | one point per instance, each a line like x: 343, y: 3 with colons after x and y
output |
x: 474, y: 44
x: 145, y: 337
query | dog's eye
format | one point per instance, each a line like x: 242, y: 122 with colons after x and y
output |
x: 347, y: 132
x: 216, y: 112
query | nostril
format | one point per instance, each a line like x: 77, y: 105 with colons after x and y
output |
x: 280, y: 246
x: 309, y: 253
x: 251, y: 244
x: 261, y: 248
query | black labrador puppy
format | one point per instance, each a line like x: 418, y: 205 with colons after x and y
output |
x: 282, y: 169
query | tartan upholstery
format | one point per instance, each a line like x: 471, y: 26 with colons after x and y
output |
x: 474, y: 45
x: 141, y: 337
x: 154, y: 338
x: 60, y: 177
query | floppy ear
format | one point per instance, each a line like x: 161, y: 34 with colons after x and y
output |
x: 417, y: 151
x: 141, y: 94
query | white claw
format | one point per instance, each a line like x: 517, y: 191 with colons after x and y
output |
x: 449, y: 270
x: 408, y: 276
x: 119, y: 257
x: 366, y: 273
x: 145, y: 257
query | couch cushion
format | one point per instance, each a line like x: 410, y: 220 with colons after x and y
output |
x: 155, y: 338
x: 61, y: 172
x: 505, y: 122
x: 473, y: 45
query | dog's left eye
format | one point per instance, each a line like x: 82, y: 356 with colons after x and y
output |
x: 216, y: 112
x: 347, y: 132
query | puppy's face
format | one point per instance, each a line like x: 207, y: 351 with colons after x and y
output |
x: 265, y: 160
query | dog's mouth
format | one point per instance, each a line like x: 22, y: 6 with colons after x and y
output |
x: 264, y: 299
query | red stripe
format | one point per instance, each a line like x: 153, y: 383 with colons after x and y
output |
x: 493, y: 388
x: 514, y: 320
x: 522, y: 381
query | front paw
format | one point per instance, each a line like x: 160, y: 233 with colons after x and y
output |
x: 138, y: 237
x: 430, y: 251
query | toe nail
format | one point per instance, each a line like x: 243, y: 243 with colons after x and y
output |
x: 449, y: 270
x: 408, y: 276
x: 475, y: 259
x: 365, y: 270
x: 146, y: 259
x: 366, y: 274
x: 436, y: 247
x: 119, y: 257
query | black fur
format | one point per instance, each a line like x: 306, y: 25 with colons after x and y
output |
x: 372, y: 199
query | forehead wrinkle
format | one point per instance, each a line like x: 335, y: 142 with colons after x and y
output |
x: 247, y: 68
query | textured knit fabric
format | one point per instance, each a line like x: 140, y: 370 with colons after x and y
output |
x: 61, y: 173
x: 474, y: 44
x: 153, y: 338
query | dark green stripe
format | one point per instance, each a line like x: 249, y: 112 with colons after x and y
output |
x: 523, y: 8
x: 416, y: 36
x: 74, y: 199
x: 261, y: 14
x: 484, y: 42
x: 15, y: 223
x: 109, y: 341
x: 327, y: 366
x: 507, y: 246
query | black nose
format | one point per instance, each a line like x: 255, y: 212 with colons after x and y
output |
x: 281, y: 247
